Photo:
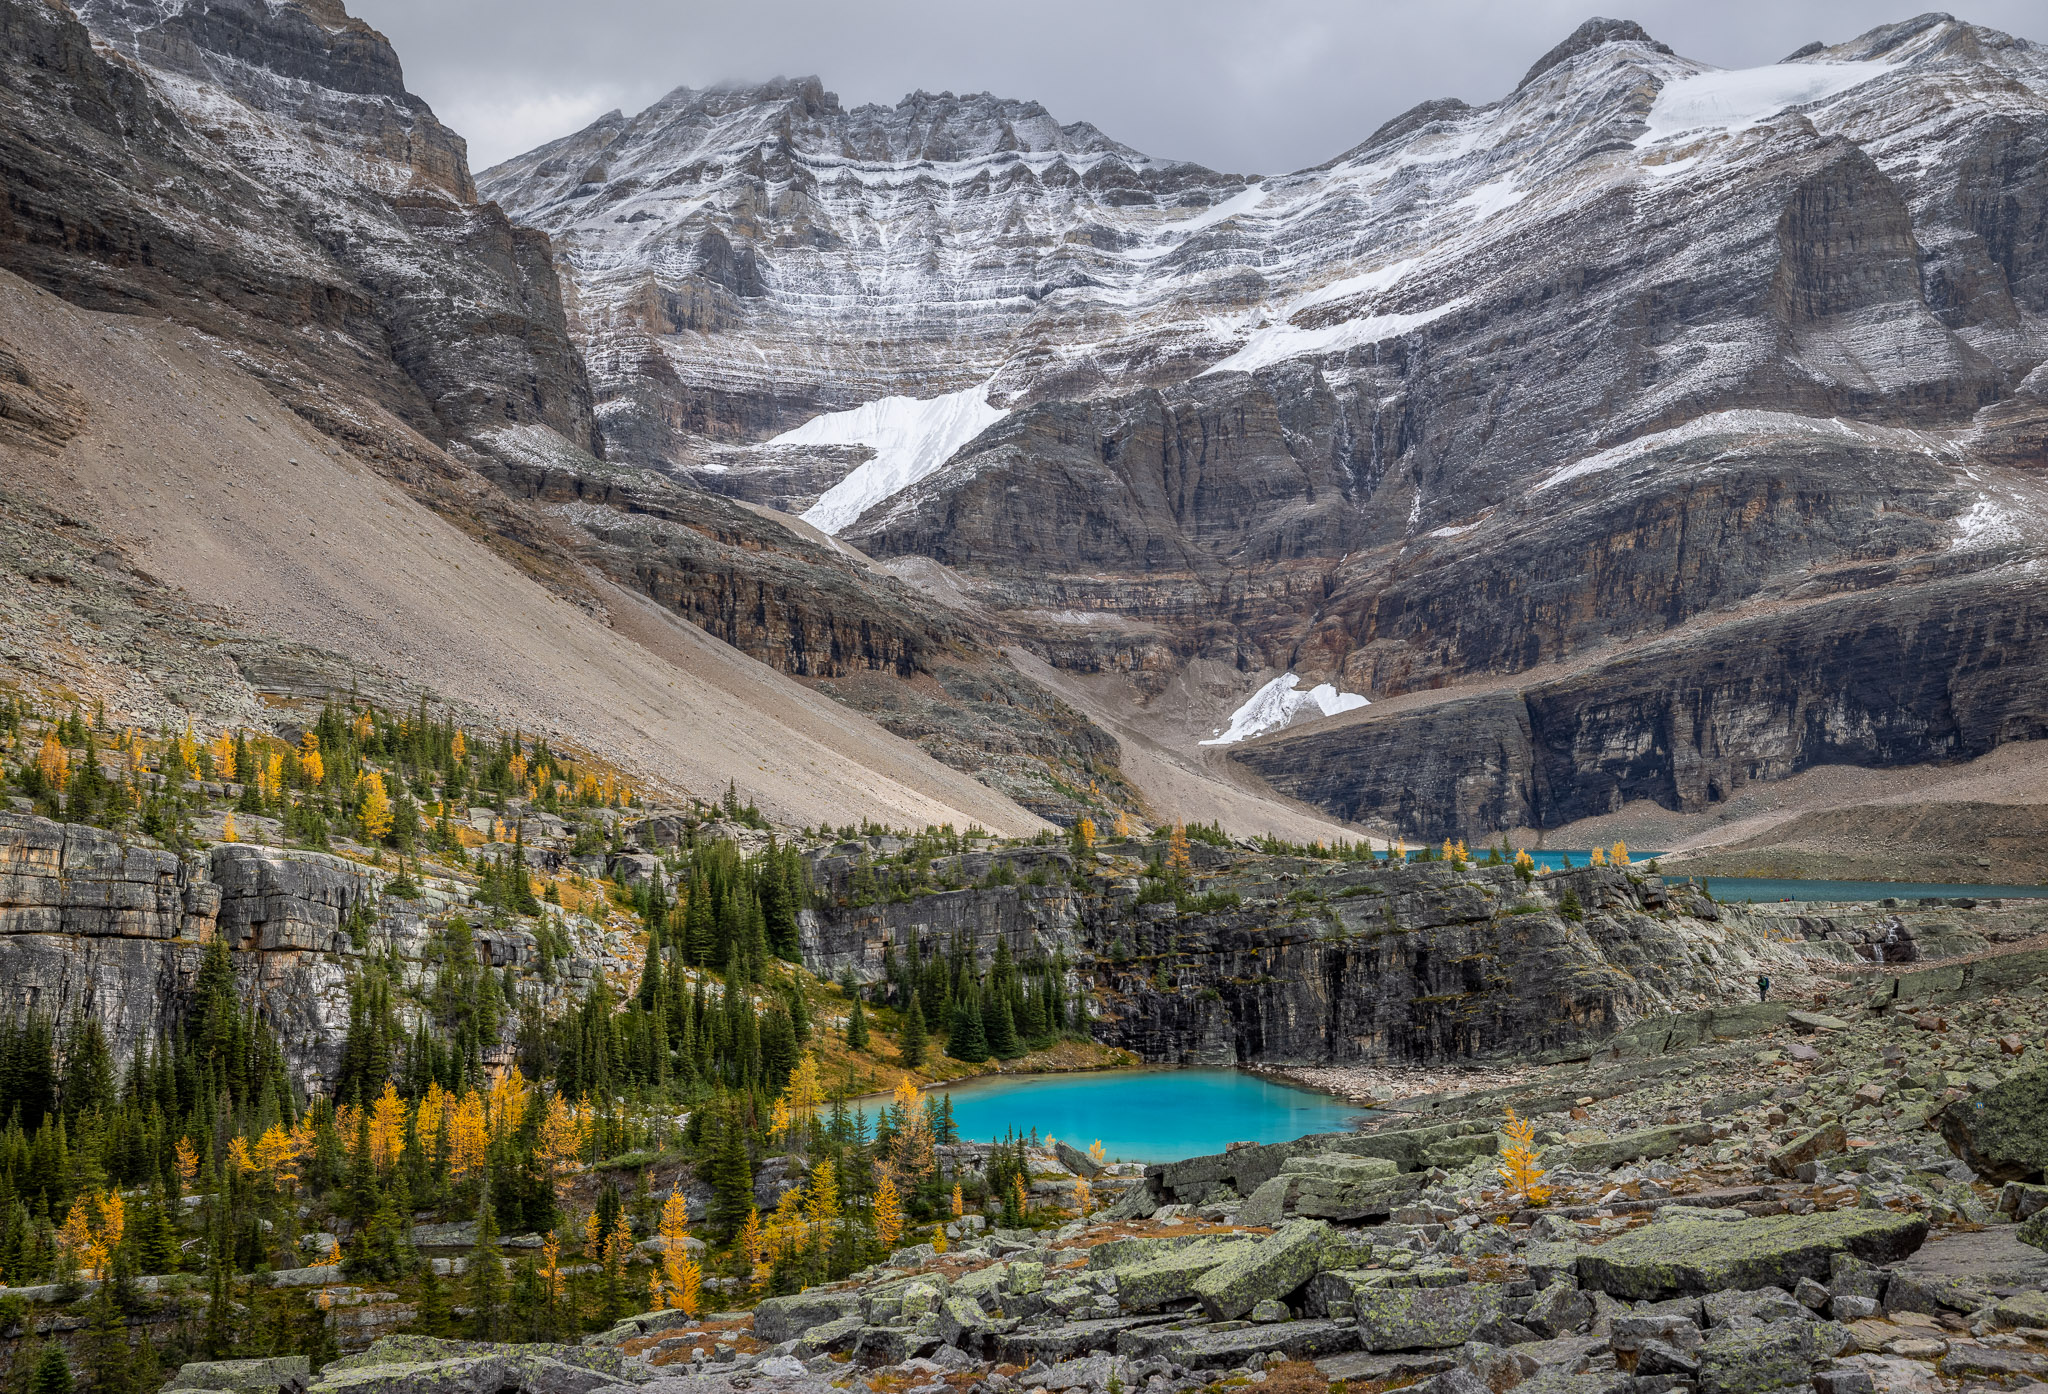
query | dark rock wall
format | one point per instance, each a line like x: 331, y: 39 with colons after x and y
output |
x: 1944, y: 670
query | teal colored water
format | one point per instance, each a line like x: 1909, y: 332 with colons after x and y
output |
x: 1761, y: 889
x: 1147, y: 1115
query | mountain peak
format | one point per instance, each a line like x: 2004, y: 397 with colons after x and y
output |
x: 1590, y: 35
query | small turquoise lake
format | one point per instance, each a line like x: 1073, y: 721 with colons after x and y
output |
x: 1146, y: 1115
x: 1763, y: 890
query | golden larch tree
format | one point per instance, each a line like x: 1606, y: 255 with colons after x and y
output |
x: 469, y: 1135
x: 92, y: 1231
x: 508, y: 1103
x: 1518, y: 1168
x: 54, y: 762
x: 376, y: 814
x: 1084, y: 832
x: 888, y: 1211
x: 1618, y: 854
x: 387, y: 1128
x: 1178, y: 861
x: 227, y: 827
x: 222, y: 749
x: 314, y: 767
x: 564, y: 1135
x: 188, y: 1162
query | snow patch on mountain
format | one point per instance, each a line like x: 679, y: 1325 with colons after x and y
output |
x: 911, y: 437
x: 1737, y: 98
x: 1276, y: 343
x: 1280, y: 703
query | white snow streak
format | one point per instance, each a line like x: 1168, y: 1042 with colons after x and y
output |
x: 1276, y: 343
x: 1984, y: 524
x: 1279, y: 703
x: 911, y: 437
x: 1739, y: 98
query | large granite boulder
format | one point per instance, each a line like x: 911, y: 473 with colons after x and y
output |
x: 269, y: 1376
x: 778, y: 1319
x: 1272, y: 1268
x: 1693, y: 1251
x: 2003, y: 1132
x: 1427, y: 1318
x: 1170, y: 1276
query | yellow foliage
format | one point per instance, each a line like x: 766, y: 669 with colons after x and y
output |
x: 1085, y: 831
x: 1123, y: 824
x: 188, y: 1162
x: 1096, y: 1152
x: 938, y: 1239
x: 508, y: 1103
x: 227, y: 828
x: 551, y: 1266
x: 821, y: 1207
x: 1524, y: 860
x: 564, y: 1135
x: 459, y: 747
x: 1599, y: 857
x: 1518, y: 1169
x: 277, y: 1152
x: 430, y: 1117
x: 238, y: 1153
x: 270, y: 778
x: 54, y: 762
x: 1177, y: 858
x: 677, y: 1283
x: 387, y: 1129
x: 888, y: 1212
x: 362, y: 725
x: 959, y: 1202
x: 1618, y: 854
x: 188, y: 748
x: 309, y: 758
x: 92, y: 1231
x: 469, y: 1135
x: 376, y: 805
x: 223, y: 751
x: 1084, y: 1196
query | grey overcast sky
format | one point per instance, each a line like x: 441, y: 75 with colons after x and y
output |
x: 1248, y: 86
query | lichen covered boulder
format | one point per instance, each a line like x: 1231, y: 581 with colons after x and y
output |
x: 243, y: 1376
x: 1271, y: 1268
x: 1698, y: 1254
x: 2002, y: 1132
x: 1171, y: 1276
x: 1420, y: 1318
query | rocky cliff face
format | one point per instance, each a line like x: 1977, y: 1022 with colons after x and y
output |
x: 92, y: 926
x: 1331, y: 962
x: 260, y: 172
x: 1636, y: 349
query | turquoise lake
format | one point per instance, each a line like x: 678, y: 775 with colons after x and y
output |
x: 1761, y: 889
x: 1147, y: 1115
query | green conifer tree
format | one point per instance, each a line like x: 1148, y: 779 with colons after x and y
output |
x: 857, y: 1026
x: 916, y: 1038
x: 967, y: 1041
x: 486, y: 1276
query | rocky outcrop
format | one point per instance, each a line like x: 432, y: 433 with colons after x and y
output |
x: 1286, y: 961
x: 277, y: 187
x: 1943, y: 670
x: 91, y: 924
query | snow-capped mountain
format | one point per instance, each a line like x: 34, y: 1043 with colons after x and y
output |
x: 1642, y: 347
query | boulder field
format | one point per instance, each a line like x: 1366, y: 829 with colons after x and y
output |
x: 1848, y: 1201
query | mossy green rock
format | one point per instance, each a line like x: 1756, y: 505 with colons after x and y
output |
x: 1753, y: 1359
x: 242, y: 1376
x: 779, y: 1319
x: 1273, y: 1267
x: 1682, y: 1254
x: 1627, y: 1147
x: 1171, y: 1276
x: 2035, y: 1231
x: 2003, y: 1132
x: 2023, y: 1309
x: 1427, y: 1318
